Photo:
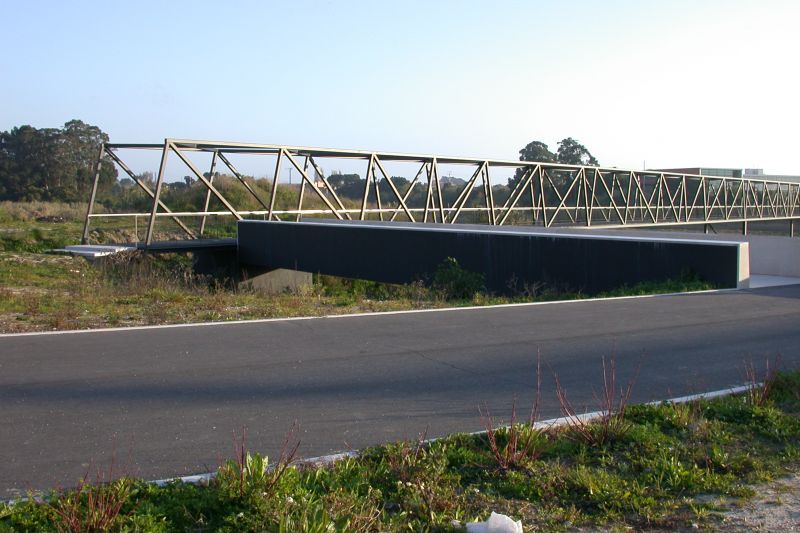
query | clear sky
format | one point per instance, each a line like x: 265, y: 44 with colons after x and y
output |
x: 669, y: 83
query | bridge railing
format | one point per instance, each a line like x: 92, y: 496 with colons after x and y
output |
x: 540, y: 193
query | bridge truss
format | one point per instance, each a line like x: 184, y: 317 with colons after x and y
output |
x: 544, y: 194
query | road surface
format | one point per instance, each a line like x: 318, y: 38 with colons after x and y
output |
x: 165, y: 400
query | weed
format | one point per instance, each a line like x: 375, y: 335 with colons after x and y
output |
x: 93, y: 506
x: 405, y: 460
x: 759, y: 386
x: 611, y: 424
x: 524, y: 289
x: 516, y: 445
x: 250, y: 474
x: 359, y: 514
x: 313, y: 518
x: 687, y: 414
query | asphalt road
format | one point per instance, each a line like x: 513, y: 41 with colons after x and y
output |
x: 165, y: 401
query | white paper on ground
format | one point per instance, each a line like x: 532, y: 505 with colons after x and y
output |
x: 497, y: 523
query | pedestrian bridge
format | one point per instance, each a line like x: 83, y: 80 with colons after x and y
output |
x: 543, y: 194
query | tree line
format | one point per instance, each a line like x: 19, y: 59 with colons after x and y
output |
x: 57, y: 164
x: 53, y: 164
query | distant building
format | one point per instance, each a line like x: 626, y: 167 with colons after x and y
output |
x: 758, y: 174
x: 720, y: 172
x: 748, y: 173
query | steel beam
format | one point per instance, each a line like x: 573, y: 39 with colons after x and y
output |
x: 97, y: 167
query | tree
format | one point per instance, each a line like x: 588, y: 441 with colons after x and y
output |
x: 571, y: 152
x: 348, y: 185
x: 533, y: 151
x: 53, y: 164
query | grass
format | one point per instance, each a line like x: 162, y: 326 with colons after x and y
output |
x: 40, y: 292
x: 675, y: 466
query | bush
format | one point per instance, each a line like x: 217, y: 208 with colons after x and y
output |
x: 453, y: 282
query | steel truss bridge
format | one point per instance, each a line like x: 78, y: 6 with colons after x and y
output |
x: 545, y: 194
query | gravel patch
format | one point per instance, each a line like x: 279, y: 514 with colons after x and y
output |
x: 776, y: 507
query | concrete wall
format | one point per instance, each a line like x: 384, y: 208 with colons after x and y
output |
x: 774, y: 256
x: 406, y: 253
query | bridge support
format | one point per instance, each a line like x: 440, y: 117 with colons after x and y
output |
x: 275, y: 281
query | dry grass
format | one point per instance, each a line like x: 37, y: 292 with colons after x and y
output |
x: 45, y: 292
x: 31, y: 211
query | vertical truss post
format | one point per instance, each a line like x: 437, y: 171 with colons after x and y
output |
x: 157, y: 194
x: 93, y: 194
x: 302, y: 190
x: 726, y: 207
x: 545, y: 221
x: 487, y: 198
x: 744, y: 200
x: 588, y: 207
x: 377, y: 188
x: 442, y: 216
x: 534, y: 201
x: 433, y: 175
x: 366, y: 189
x: 685, y: 201
x: 208, y: 192
x: 428, y: 191
x: 490, y: 197
x: 272, y: 193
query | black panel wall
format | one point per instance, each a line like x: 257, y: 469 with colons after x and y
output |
x: 406, y: 253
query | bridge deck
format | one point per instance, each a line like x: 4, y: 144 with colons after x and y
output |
x: 192, y: 245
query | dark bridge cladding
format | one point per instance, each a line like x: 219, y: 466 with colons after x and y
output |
x: 546, y: 194
x: 402, y: 253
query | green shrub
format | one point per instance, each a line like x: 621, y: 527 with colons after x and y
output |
x: 453, y: 282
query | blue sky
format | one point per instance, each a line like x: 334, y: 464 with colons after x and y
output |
x: 676, y: 83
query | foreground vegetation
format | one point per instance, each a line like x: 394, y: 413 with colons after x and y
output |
x: 667, y: 466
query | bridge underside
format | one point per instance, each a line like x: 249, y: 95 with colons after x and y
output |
x: 544, y: 194
x: 512, y: 259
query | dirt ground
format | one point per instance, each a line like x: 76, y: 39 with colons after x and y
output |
x: 776, y: 507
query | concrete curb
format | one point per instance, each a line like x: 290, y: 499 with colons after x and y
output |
x: 323, y: 460
x: 544, y: 424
